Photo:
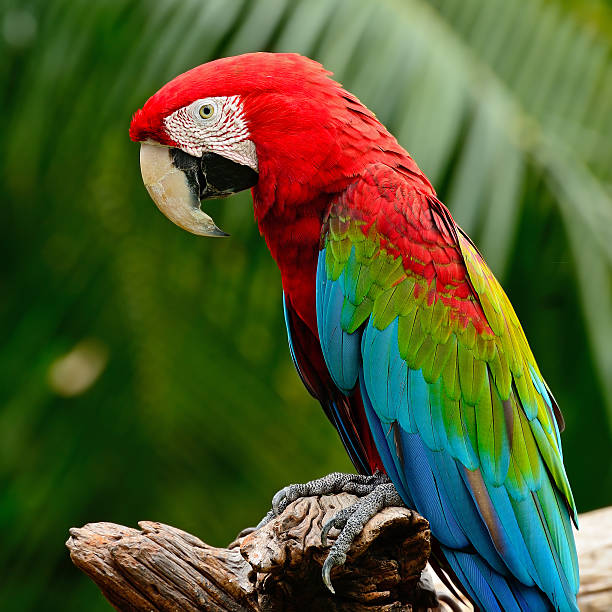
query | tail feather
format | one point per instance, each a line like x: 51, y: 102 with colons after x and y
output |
x: 490, y: 590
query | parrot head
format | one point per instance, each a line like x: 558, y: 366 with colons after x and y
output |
x: 274, y: 122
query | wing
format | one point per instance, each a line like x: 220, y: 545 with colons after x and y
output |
x: 409, y: 314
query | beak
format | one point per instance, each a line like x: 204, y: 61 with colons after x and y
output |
x: 176, y: 182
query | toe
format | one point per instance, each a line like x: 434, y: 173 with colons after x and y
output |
x: 338, y: 521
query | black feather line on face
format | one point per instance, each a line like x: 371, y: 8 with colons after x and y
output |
x: 212, y: 175
x: 190, y: 166
x: 224, y: 176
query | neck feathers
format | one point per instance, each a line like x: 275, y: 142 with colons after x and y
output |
x: 303, y: 171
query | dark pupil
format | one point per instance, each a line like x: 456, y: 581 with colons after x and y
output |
x: 206, y: 110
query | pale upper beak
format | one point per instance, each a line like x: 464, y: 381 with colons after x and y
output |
x: 175, y: 190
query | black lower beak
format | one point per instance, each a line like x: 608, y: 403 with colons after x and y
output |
x: 212, y: 175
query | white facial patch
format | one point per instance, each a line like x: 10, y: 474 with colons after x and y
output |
x: 213, y: 125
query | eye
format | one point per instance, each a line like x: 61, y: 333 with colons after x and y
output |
x: 207, y: 111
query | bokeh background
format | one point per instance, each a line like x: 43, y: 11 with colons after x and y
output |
x: 144, y: 372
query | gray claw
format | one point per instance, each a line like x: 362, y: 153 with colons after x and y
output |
x: 325, y: 531
x: 337, y: 521
x: 278, y: 499
x: 331, y: 561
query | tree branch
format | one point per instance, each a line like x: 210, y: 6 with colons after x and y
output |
x: 277, y: 567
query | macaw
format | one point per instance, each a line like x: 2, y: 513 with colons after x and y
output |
x: 395, y: 322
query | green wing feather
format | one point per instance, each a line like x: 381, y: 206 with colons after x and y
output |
x: 493, y: 370
x: 488, y: 405
x: 517, y: 378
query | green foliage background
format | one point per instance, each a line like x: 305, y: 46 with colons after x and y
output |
x: 144, y: 372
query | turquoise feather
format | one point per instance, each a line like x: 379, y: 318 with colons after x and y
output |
x: 461, y: 417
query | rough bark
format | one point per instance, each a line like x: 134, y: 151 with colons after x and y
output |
x: 594, y: 544
x: 278, y: 567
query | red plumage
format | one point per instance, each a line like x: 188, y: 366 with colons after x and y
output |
x: 312, y: 143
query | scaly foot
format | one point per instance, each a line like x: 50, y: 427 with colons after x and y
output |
x: 351, y: 521
x: 332, y: 484
x: 376, y: 492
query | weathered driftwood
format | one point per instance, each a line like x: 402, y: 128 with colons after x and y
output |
x: 162, y: 569
x: 278, y: 567
x: 594, y: 544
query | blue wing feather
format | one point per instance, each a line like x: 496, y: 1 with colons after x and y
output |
x: 496, y: 541
x: 491, y: 591
x: 341, y: 350
x: 390, y: 459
